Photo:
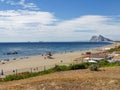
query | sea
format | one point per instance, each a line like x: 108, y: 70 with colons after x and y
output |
x: 27, y: 49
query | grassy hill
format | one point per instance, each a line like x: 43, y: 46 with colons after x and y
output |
x: 106, y: 79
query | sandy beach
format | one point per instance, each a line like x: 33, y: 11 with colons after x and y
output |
x: 39, y: 62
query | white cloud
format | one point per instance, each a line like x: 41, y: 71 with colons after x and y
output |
x: 38, y: 25
x: 86, y: 26
x: 22, y: 3
x: 89, y: 23
x: 24, y: 21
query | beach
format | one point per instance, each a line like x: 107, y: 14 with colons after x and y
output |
x: 40, y: 63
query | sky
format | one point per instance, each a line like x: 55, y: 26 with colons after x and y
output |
x: 58, y: 20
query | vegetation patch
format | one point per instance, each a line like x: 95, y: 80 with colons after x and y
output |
x: 114, y: 49
x: 93, y: 67
x: 61, y: 68
x: 79, y: 66
x: 57, y: 68
x: 27, y: 75
x: 103, y: 63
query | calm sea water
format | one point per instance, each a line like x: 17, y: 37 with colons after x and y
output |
x: 30, y: 49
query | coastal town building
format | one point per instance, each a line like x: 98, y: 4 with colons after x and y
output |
x: 116, y: 53
x: 95, y: 57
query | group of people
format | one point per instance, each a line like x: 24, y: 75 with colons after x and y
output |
x: 48, y: 55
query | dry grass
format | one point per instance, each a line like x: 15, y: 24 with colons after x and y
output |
x: 105, y: 79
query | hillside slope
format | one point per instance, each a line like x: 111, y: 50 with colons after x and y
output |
x: 105, y: 79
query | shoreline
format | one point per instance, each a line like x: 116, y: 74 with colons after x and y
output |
x: 25, y: 64
x: 21, y: 57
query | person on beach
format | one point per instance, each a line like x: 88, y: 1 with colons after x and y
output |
x: 2, y: 72
x: 48, y: 55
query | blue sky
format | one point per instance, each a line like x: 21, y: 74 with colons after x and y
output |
x: 58, y: 20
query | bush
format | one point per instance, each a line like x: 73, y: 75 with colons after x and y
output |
x: 12, y: 77
x: 113, y: 64
x: 77, y: 66
x: 47, y: 71
x: 93, y: 67
x: 87, y: 64
x: 61, y: 68
x: 114, y: 49
x: 27, y: 75
x: 103, y: 62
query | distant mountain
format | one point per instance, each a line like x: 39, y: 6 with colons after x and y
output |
x: 99, y: 38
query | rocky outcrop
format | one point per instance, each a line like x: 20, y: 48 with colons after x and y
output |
x: 99, y: 38
x: 11, y: 53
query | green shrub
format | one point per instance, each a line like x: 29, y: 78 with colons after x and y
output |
x: 27, y: 75
x: 12, y: 77
x: 77, y: 66
x: 93, y: 67
x: 47, y: 71
x: 80, y: 66
x: 113, y: 64
x: 87, y: 64
x: 61, y: 68
x: 103, y: 62
x: 114, y: 49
